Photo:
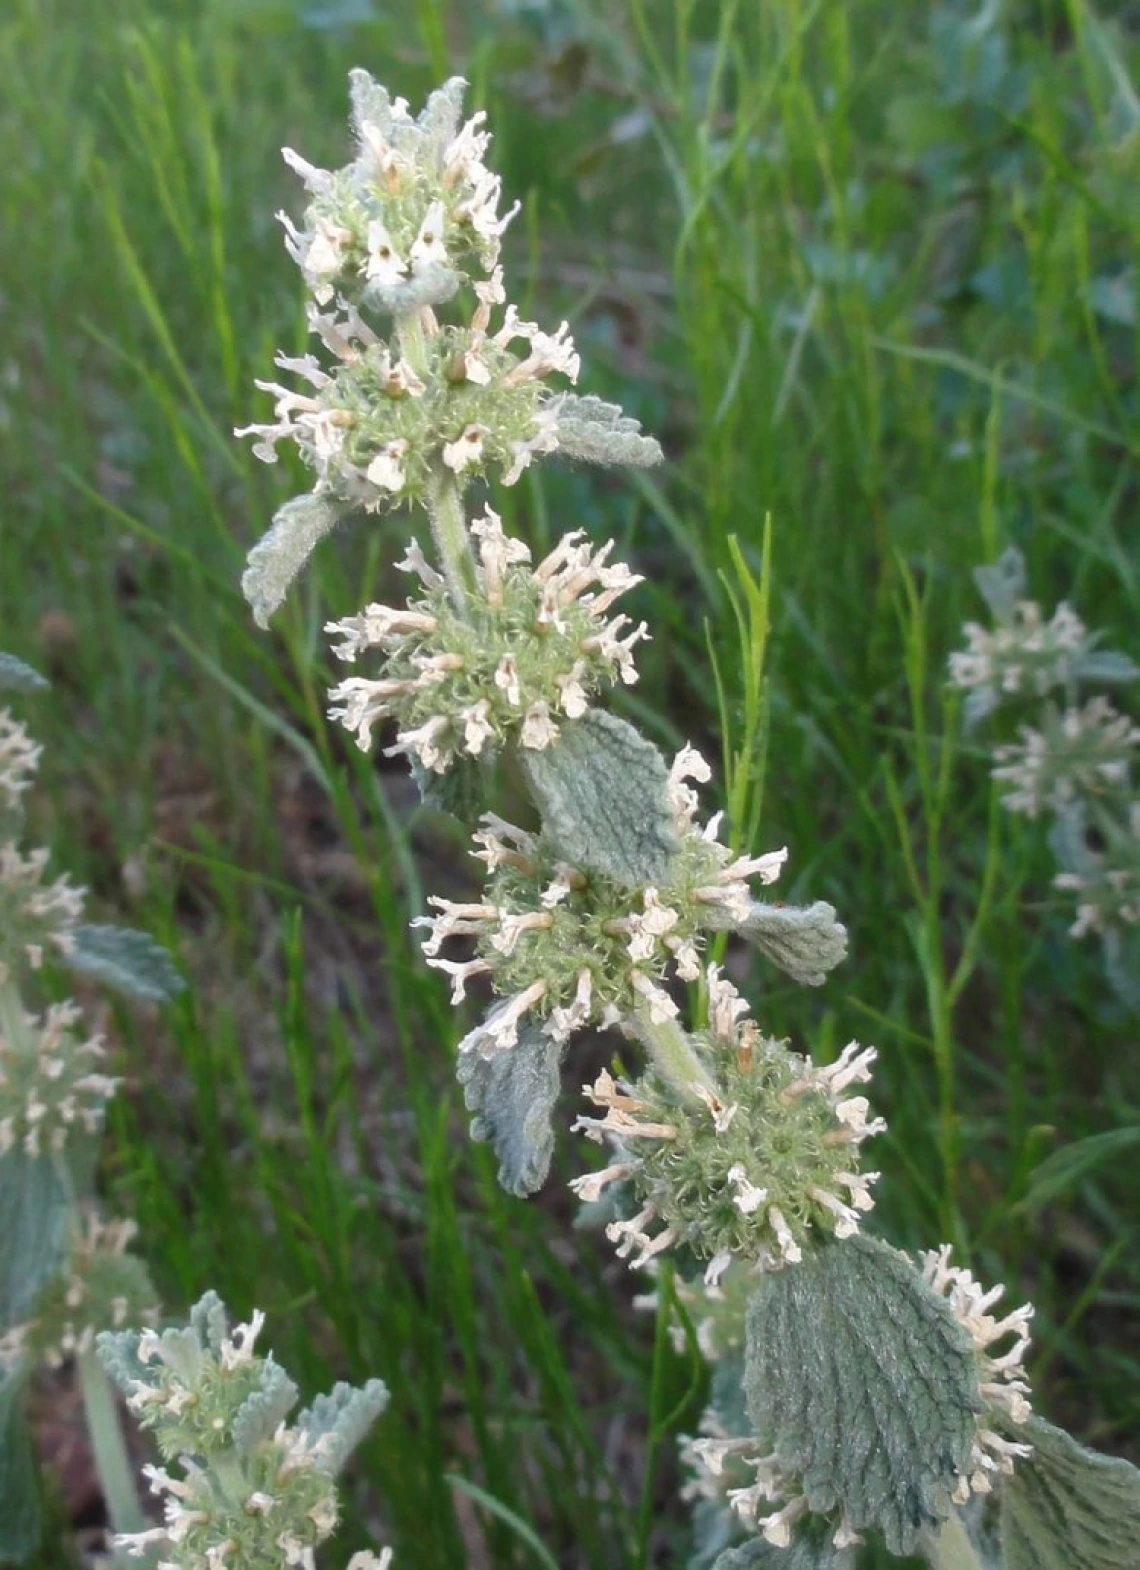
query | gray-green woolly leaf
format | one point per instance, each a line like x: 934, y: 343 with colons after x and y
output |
x: 118, y: 1351
x: 810, y: 1549
x: 602, y: 789
x: 861, y: 1380
x: 430, y: 286
x: 1122, y: 964
x: 1003, y: 584
x: 15, y: 676
x: 298, y: 528
x: 20, y: 1523
x: 805, y: 940
x: 1067, y: 1508
x: 33, y: 1230
x: 208, y: 1322
x: 1104, y: 665
x: 513, y: 1095
x: 341, y: 1419
x: 461, y: 791
x: 259, y: 1414
x: 131, y: 962
x: 598, y: 432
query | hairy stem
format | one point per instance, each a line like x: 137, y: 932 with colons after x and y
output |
x: 12, y: 1027
x: 673, y: 1055
x: 113, y: 1464
x: 952, y: 1549
x: 449, y: 530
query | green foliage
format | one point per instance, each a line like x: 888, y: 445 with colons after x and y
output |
x: 298, y: 528
x: 20, y: 1512
x: 15, y: 676
x: 807, y: 1551
x: 337, y: 1422
x: 1066, y: 1506
x: 806, y: 941
x: 513, y: 1095
x: 863, y: 1383
x: 130, y: 962
x: 602, y: 791
x: 303, y: 1155
x: 34, y: 1207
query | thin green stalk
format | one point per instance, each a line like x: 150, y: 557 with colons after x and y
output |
x: 673, y: 1055
x: 449, y: 529
x: 952, y: 1548
x: 112, y: 1462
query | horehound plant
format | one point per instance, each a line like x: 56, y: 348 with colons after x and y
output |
x: 855, y: 1390
x: 254, y: 1494
x: 65, y: 1271
x: 1075, y: 764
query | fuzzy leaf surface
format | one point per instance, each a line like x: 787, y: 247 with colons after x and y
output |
x: 259, y: 1414
x: 131, y: 962
x: 297, y: 529
x: 15, y: 676
x: 806, y: 941
x: 1004, y: 583
x: 1067, y: 1507
x: 19, y: 1488
x: 808, y: 1550
x: 513, y: 1095
x: 861, y: 1380
x: 33, y: 1216
x: 598, y: 432
x: 342, y: 1418
x: 602, y: 789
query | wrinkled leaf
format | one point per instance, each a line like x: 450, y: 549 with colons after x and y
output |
x: 15, y: 676
x: 297, y: 529
x: 807, y: 941
x: 1003, y: 584
x: 602, y: 789
x: 131, y: 962
x: 598, y: 432
x: 513, y: 1095
x: 1067, y: 1508
x: 810, y: 1549
x: 1105, y: 665
x: 461, y: 791
x: 19, y: 1485
x: 341, y: 1419
x: 257, y: 1418
x: 861, y: 1380
x: 33, y: 1217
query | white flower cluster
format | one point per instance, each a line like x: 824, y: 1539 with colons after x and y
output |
x: 1084, y: 750
x: 103, y: 1288
x: 1076, y: 764
x: 37, y: 917
x: 376, y: 429
x: 716, y: 1461
x: 254, y: 1492
x: 19, y: 759
x: 50, y: 1083
x: 414, y: 210
x: 1000, y: 1380
x: 535, y: 643
x: 1023, y: 656
x: 745, y: 1171
x: 579, y: 950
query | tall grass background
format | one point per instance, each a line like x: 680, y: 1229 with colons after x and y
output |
x: 869, y: 271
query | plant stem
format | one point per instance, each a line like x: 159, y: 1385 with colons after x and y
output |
x: 112, y: 1462
x: 449, y: 529
x: 952, y: 1549
x: 673, y: 1055
x: 12, y: 1027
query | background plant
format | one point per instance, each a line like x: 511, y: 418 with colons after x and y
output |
x: 927, y: 297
